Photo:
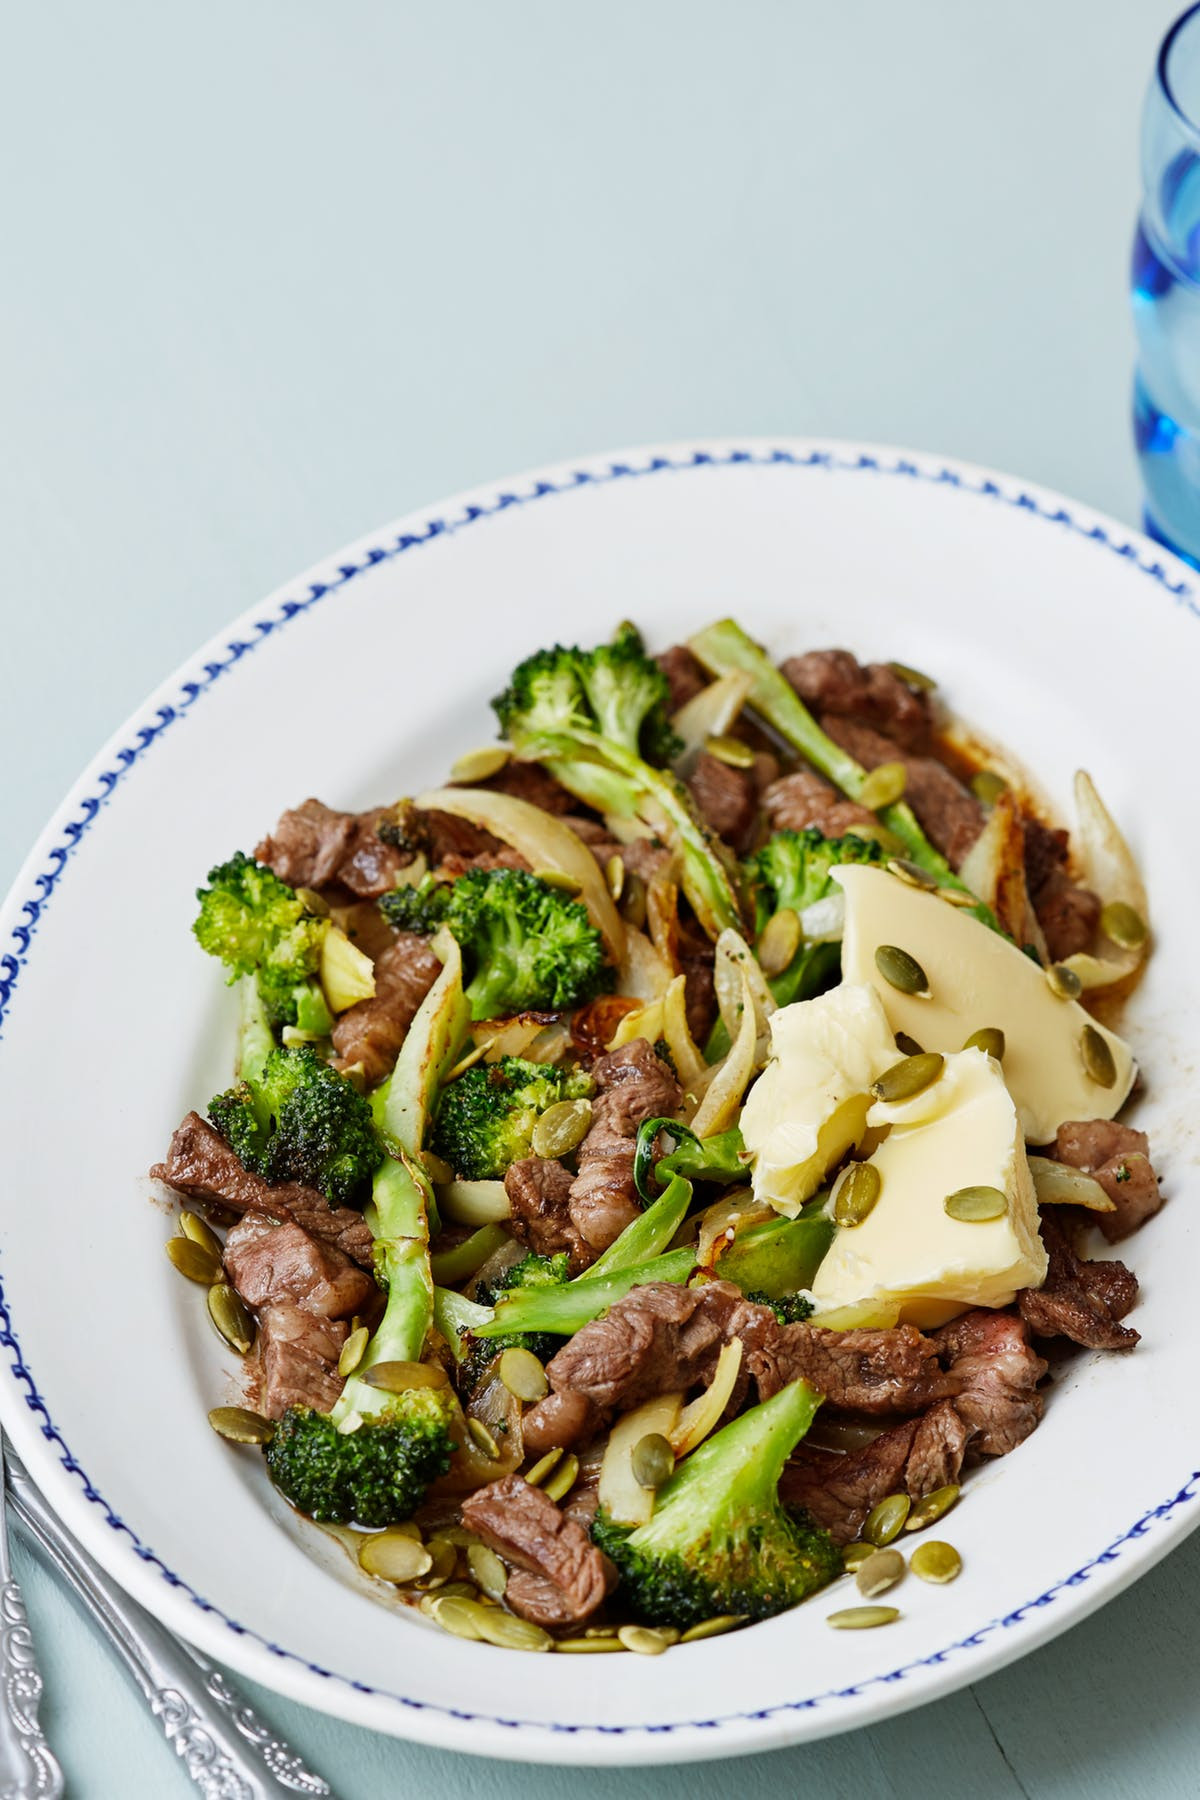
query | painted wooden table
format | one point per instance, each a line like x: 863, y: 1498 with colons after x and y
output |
x: 275, y: 273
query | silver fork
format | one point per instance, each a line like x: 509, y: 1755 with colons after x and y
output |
x: 228, y: 1752
x: 28, y: 1767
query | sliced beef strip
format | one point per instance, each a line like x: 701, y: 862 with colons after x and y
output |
x: 726, y: 799
x: 1067, y: 913
x: 685, y: 675
x: 530, y: 782
x: 1118, y: 1157
x: 938, y: 1448
x: 990, y: 1357
x: 633, y: 1086
x: 298, y: 1355
x: 950, y: 814
x: 839, y: 1491
x: 267, y: 1262
x: 314, y: 846
x: 559, y: 1577
x: 603, y: 1197
x: 887, y: 1371
x: 833, y: 681
x: 1083, y: 1301
x: 642, y: 856
x: 201, y: 1165
x: 372, y: 1032
x: 539, y: 1194
x: 452, y: 865
x: 805, y: 799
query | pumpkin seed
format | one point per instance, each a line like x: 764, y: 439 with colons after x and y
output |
x: 240, y: 1425
x: 606, y: 1631
x: 457, y: 1615
x: 563, y: 1478
x: 730, y: 750
x: 855, y: 1192
x: 990, y: 1040
x: 883, y: 786
x: 484, y: 1438
x: 478, y: 765
x: 1063, y: 982
x: 909, y: 1077
x: 394, y: 1556
x: 543, y: 1466
x: 645, y: 1641
x: 855, y: 1555
x: 900, y: 970
x: 936, y: 1561
x: 779, y: 942
x: 976, y: 1205
x: 633, y: 900
x: 862, y: 1618
x: 1097, y: 1057
x: 987, y: 785
x: 448, y: 1590
x: 653, y: 1460
x: 352, y: 1350
x: 200, y: 1232
x: 879, y: 1572
x: 913, y: 678
x: 1123, y: 925
x: 443, y: 1559
x: 909, y: 1045
x: 957, y: 896
x: 194, y: 1260
x: 614, y: 874
x: 558, y: 878
x: 931, y: 1507
x: 488, y: 1571
x: 912, y: 873
x: 511, y: 1633
x: 886, y: 1520
x: 398, y: 1377
x: 561, y: 1128
x: 712, y: 1627
x: 313, y: 902
x: 588, y: 1646
x: 230, y: 1317
x: 522, y: 1374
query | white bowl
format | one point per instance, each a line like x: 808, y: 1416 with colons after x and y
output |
x: 1060, y: 632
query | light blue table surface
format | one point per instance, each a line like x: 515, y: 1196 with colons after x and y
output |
x: 275, y: 273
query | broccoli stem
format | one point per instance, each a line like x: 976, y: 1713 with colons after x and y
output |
x: 256, y: 1040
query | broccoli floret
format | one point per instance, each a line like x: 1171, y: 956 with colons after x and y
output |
x: 789, y: 1309
x: 720, y: 1541
x: 374, y: 1475
x: 532, y: 1271
x: 485, y: 1118
x: 615, y: 689
x: 297, y: 1119
x: 257, y: 925
x: 528, y: 946
x: 792, y: 870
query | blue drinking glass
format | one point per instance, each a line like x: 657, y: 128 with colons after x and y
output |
x: 1165, y: 280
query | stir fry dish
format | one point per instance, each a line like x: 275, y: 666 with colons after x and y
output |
x: 660, y: 1160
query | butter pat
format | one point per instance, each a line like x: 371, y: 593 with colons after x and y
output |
x: 809, y: 1106
x: 977, y: 978
x: 908, y: 1254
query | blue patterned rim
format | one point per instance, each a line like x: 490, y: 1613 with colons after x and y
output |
x: 33, y: 904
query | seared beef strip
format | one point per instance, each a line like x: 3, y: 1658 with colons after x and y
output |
x: 696, y: 958
x: 642, y: 856
x: 372, y: 1032
x: 1080, y: 1300
x: 887, y: 1371
x: 633, y: 1086
x: 298, y: 1355
x: 560, y: 1577
x: 530, y: 782
x: 951, y: 815
x: 539, y: 1191
x: 996, y: 1372
x: 839, y: 1491
x: 1118, y: 1157
x: 806, y: 799
x: 201, y: 1165
x: 726, y: 799
x: 685, y: 675
x: 267, y: 1262
x: 315, y: 847
x: 832, y: 681
x: 938, y: 1448
x: 1068, y: 914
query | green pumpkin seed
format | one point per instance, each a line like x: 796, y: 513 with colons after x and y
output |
x: 604, y: 1631
x: 588, y: 1646
x: 394, y: 1556
x: 912, y: 873
x: 862, y: 1618
x: 543, y: 1466
x: 987, y: 785
x: 990, y: 1040
x: 200, y: 1232
x: 443, y: 1560
x: 633, y: 900
x: 1123, y: 925
x: 194, y: 1260
x: 478, y: 765
x: 883, y: 786
x: 563, y: 1479
x: 855, y: 1193
x: 484, y: 1439
x: 313, y: 902
x: 559, y: 879
x: 1064, y: 983
x: 643, y: 1640
x: 908, y: 1045
x: 614, y: 874
x: 855, y: 1555
x: 957, y: 896
x: 910, y: 1077
x: 488, y: 1571
x: 779, y: 941
x: 230, y: 1317
x: 879, y: 1572
x: 976, y: 1205
x: 931, y: 1507
x: 712, y: 1627
x: 398, y: 1377
x: 352, y: 1350
x: 449, y: 1590
x: 653, y: 1460
x: 900, y: 970
x: 522, y: 1374
x: 510, y: 1633
x: 241, y: 1426
x: 913, y: 678
x: 936, y: 1561
x: 457, y: 1615
x: 561, y: 1128
x: 886, y: 1520
x: 1097, y: 1057
x: 730, y: 750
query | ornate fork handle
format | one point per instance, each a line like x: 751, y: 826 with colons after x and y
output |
x: 226, y: 1749
x: 27, y: 1765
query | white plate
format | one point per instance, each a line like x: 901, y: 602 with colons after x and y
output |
x: 1069, y: 636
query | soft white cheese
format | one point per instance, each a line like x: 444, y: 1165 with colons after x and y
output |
x: 962, y: 1131
x: 977, y: 978
x: 809, y: 1105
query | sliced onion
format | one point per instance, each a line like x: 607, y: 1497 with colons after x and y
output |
x: 825, y: 920
x: 646, y: 1022
x: 623, y: 1498
x: 710, y: 713
x: 550, y: 1045
x: 704, y: 1414
x: 470, y: 1466
x: 474, y: 1202
x: 507, y: 1037
x: 544, y: 841
x: 734, y: 1211
x: 662, y: 916
x: 347, y: 976
x: 688, y: 1059
x: 736, y: 963
x: 719, y: 1108
x: 643, y: 973
x: 994, y: 869
x: 1108, y: 868
x: 1058, y: 1184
